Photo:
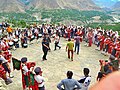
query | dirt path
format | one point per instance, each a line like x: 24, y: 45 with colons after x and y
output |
x: 55, y: 68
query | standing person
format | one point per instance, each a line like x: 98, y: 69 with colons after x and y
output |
x: 3, y: 74
x: 39, y: 79
x: 85, y: 81
x: 69, y: 83
x: 24, y: 70
x: 45, y: 48
x: 90, y: 36
x: 9, y: 30
x: 5, y: 64
x: 70, y: 46
x: 48, y: 40
x: 77, y: 43
x: 56, y: 39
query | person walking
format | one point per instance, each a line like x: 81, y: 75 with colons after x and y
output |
x: 70, y: 46
x: 56, y: 39
x: 45, y: 48
x: 77, y: 43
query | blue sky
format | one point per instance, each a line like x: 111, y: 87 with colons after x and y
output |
x: 105, y: 3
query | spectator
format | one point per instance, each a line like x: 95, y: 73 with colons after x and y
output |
x: 69, y: 83
x: 85, y: 81
x: 39, y: 79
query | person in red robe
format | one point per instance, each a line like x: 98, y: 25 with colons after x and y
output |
x: 117, y: 49
x: 102, y: 38
x: 69, y: 32
x: 106, y: 45
x: 24, y: 70
x: 90, y: 37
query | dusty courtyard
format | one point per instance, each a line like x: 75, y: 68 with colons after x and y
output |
x: 55, y: 68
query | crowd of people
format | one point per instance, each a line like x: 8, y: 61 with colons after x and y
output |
x: 106, y: 41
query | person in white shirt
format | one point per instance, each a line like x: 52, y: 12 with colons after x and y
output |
x: 24, y: 69
x: 39, y: 79
x: 56, y: 39
x: 85, y: 80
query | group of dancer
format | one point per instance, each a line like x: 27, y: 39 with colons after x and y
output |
x: 107, y: 41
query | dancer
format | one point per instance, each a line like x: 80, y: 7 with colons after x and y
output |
x: 70, y: 46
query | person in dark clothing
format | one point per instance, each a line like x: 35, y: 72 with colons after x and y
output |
x: 45, y: 48
x: 47, y: 37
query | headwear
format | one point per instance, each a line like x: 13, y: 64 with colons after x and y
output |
x: 37, y: 70
x: 24, y: 59
x: 112, y: 57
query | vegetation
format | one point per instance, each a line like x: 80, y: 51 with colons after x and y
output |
x: 59, y: 15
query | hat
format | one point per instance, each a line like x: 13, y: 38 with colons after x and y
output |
x: 112, y: 57
x: 37, y: 70
x: 24, y: 59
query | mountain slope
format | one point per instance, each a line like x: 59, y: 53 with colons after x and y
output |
x: 43, y: 4
x: 22, y: 5
x: 11, y: 6
x: 63, y: 4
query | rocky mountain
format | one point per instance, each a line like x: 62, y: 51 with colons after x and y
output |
x: 11, y: 6
x: 116, y: 6
x: 21, y: 5
x: 63, y: 4
x: 46, y: 4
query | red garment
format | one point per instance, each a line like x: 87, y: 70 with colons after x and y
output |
x: 107, y: 41
x: 23, y: 79
x: 2, y: 72
x: 68, y: 31
x: 90, y: 36
x: 7, y: 55
x: 35, y: 86
x: 117, y: 47
x: 101, y: 39
x: 111, y: 46
x: 71, y: 54
x: 6, y: 47
x: 80, y: 33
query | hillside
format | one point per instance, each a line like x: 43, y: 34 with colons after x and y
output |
x: 11, y: 6
x: 63, y: 4
x: 22, y: 5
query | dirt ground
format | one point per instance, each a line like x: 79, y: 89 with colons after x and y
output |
x: 55, y: 68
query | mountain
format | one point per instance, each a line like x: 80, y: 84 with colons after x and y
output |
x: 64, y: 4
x: 22, y: 5
x: 105, y: 3
x: 116, y: 6
x: 11, y: 6
x: 46, y: 4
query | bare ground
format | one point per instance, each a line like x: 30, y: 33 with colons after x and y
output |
x: 55, y: 68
